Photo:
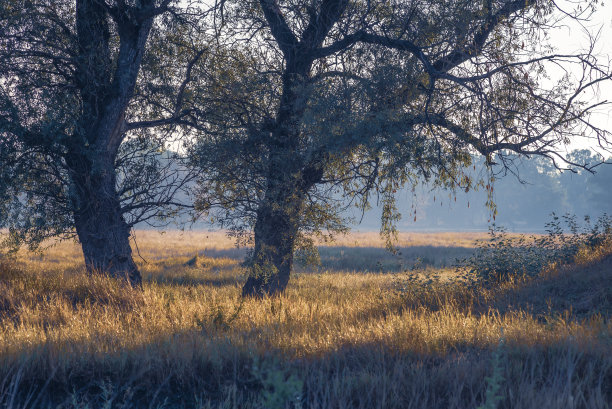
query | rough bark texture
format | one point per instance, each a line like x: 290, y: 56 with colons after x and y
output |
x: 101, y: 228
x: 276, y: 230
x: 99, y: 222
x: 290, y: 175
x: 279, y: 216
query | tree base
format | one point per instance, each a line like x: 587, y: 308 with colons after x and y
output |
x: 259, y: 287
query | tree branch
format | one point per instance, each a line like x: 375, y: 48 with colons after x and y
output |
x: 283, y: 35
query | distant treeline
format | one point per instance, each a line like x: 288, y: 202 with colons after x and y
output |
x: 524, y: 201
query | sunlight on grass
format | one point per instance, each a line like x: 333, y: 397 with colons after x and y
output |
x: 405, y: 338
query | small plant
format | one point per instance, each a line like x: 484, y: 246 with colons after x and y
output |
x: 505, y: 258
x: 221, y: 319
x: 281, y: 388
x: 494, y: 382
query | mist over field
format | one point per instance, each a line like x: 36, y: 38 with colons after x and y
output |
x: 524, y: 198
x: 524, y: 201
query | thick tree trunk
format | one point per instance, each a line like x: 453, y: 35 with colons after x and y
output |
x: 105, y: 95
x: 276, y: 230
x: 100, y: 226
x: 289, y: 178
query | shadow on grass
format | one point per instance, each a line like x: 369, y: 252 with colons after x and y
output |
x: 575, y: 291
x: 190, y: 280
x: 221, y: 366
x: 182, y: 370
x: 371, y: 259
x: 204, y: 268
x: 376, y: 259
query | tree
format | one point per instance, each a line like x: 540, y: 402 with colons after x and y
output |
x: 82, y: 83
x: 600, y: 195
x: 326, y: 103
x: 588, y: 194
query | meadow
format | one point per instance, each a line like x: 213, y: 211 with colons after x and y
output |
x: 365, y: 329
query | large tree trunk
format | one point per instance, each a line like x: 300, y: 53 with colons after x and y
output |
x: 276, y: 230
x: 277, y: 226
x: 102, y: 230
x: 289, y: 178
x: 105, y: 95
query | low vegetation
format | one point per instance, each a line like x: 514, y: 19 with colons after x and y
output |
x: 415, y: 337
x: 505, y: 257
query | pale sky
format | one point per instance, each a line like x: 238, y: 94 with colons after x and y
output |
x: 572, y: 38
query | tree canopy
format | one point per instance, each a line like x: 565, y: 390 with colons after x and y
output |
x: 322, y: 104
x: 289, y: 111
x: 82, y: 83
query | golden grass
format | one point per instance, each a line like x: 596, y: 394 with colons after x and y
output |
x: 353, y: 339
x: 159, y: 245
x: 407, y: 239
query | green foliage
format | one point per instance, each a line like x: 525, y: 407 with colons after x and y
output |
x: 260, y: 266
x: 504, y: 257
x: 281, y: 387
x: 494, y: 382
x: 306, y: 252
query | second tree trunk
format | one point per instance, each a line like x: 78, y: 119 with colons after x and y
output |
x: 276, y: 231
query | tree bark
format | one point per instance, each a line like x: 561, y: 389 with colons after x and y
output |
x: 98, y: 217
x: 279, y: 217
x: 101, y: 229
x: 276, y: 230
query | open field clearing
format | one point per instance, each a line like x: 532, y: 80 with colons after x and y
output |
x: 353, y: 252
x: 364, y: 330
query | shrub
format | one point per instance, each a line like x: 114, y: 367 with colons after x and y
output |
x: 504, y: 258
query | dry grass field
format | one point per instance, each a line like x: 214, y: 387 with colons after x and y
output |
x: 366, y: 329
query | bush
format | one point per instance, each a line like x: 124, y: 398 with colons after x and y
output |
x: 504, y: 258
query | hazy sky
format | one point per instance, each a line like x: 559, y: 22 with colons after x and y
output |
x: 572, y: 38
